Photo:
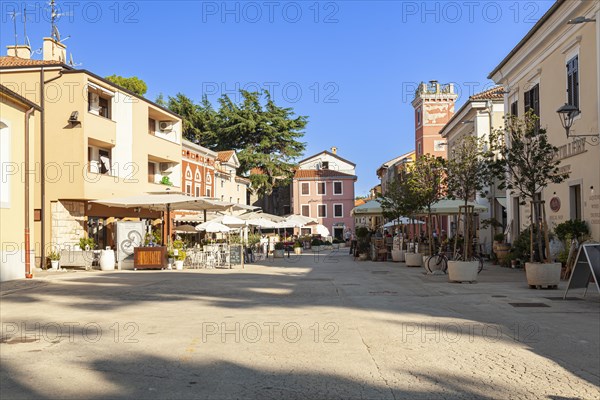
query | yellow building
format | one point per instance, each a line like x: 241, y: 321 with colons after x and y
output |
x: 557, y: 62
x: 94, y: 140
x: 17, y: 123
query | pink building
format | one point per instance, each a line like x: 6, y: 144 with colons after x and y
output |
x: 323, y: 188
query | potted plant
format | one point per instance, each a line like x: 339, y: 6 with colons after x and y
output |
x: 177, y: 254
x: 315, y: 244
x: 500, y: 247
x: 298, y: 247
x: 279, y: 251
x: 54, y: 257
x: 571, y: 233
x: 524, y: 162
x: 179, y: 259
x: 467, y: 176
x: 363, y: 250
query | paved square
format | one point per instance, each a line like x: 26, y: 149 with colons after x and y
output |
x: 309, y: 327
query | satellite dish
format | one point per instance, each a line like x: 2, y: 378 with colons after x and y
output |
x: 55, y: 33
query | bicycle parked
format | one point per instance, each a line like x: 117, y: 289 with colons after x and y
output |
x: 439, y: 261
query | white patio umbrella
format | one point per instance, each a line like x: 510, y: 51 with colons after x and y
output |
x: 257, y: 215
x: 213, y: 227
x: 403, y: 221
x: 230, y: 220
x: 300, y: 219
x: 262, y: 223
x: 322, y: 230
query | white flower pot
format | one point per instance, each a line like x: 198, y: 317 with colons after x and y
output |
x: 398, y: 256
x: 298, y: 250
x: 107, y: 260
x: 544, y: 275
x: 179, y: 264
x: 462, y: 271
x: 414, y: 260
x: 54, y: 264
x: 278, y: 253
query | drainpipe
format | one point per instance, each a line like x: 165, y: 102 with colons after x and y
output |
x: 27, y: 236
x: 43, y: 168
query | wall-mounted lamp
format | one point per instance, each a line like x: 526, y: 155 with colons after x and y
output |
x: 74, y: 118
x: 567, y: 114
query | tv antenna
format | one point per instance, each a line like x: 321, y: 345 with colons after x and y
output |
x: 13, y: 15
x: 54, y: 17
x: 71, y: 62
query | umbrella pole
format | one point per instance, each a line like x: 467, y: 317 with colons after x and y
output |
x: 168, y: 224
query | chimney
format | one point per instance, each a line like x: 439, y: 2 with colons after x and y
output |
x: 21, y: 51
x: 334, y: 150
x: 54, y: 50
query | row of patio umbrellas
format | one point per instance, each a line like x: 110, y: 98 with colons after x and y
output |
x: 226, y: 223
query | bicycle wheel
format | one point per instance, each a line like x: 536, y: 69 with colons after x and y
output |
x: 426, y: 264
x: 479, y: 263
x: 437, y: 262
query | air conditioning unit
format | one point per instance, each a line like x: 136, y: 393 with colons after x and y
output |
x: 165, y: 126
x: 164, y: 168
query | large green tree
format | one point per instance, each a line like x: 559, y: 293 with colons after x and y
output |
x: 134, y: 84
x: 265, y: 136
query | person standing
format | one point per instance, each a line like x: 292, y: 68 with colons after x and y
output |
x: 353, y: 243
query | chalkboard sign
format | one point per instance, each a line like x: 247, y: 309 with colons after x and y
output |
x: 235, y: 255
x: 587, y: 265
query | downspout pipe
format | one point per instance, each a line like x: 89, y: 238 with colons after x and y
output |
x: 27, y: 215
x: 42, y: 169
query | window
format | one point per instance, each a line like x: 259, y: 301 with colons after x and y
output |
x: 325, y: 164
x: 305, y: 231
x: 514, y: 108
x: 573, y: 82
x: 575, y: 201
x: 222, y: 183
x: 231, y: 199
x: 338, y: 189
x: 419, y: 152
x: 321, y: 188
x: 197, y: 191
x: 418, y: 116
x: 222, y: 198
x: 532, y: 100
x: 238, y: 200
x: 238, y: 189
x: 99, y: 104
x: 152, y: 129
x: 322, y: 211
x: 151, y: 172
x: 99, y: 160
x: 338, y: 210
x: 305, y: 210
x: 305, y: 188
x: 188, y: 188
x: 208, y: 192
x: 208, y: 178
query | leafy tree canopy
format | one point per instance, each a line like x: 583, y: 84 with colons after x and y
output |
x: 265, y: 136
x: 134, y: 84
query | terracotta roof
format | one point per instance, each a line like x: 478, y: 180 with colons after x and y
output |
x: 359, y: 202
x: 224, y: 156
x: 320, y: 173
x: 10, y: 61
x: 495, y: 93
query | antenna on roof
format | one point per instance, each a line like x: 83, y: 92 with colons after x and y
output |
x: 13, y: 15
x: 71, y: 62
x: 27, y: 42
x: 54, y: 16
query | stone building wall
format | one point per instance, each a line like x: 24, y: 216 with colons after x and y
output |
x: 68, y: 223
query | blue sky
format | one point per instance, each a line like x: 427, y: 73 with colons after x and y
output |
x: 350, y: 66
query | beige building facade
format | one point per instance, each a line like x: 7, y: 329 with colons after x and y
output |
x: 229, y: 186
x: 18, y: 120
x: 557, y: 62
x: 95, y: 140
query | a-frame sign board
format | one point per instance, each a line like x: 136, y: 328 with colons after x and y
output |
x: 587, y: 264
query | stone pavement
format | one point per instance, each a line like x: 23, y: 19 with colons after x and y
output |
x: 308, y: 327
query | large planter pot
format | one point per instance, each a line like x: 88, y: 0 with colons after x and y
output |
x: 398, y: 256
x: 316, y: 248
x: 107, y: 260
x: 414, y: 259
x: 179, y: 264
x: 336, y: 246
x: 502, y: 250
x: 342, y: 245
x: 298, y: 250
x: 278, y: 253
x: 462, y: 271
x: 54, y: 264
x: 363, y: 257
x: 543, y: 275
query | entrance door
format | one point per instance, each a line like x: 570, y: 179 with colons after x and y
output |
x: 338, y: 233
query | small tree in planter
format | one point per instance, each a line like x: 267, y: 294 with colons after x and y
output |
x: 362, y: 244
x: 428, y: 181
x: 467, y: 176
x: 524, y: 162
x: 279, y: 251
x: 398, y: 201
x: 298, y: 247
x: 571, y: 233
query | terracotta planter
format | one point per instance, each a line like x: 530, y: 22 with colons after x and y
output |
x: 543, y: 275
x: 398, y: 256
x: 462, y: 271
x: 298, y: 250
x: 502, y: 250
x: 414, y: 259
x: 278, y: 253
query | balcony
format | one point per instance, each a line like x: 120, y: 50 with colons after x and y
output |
x: 100, y: 128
